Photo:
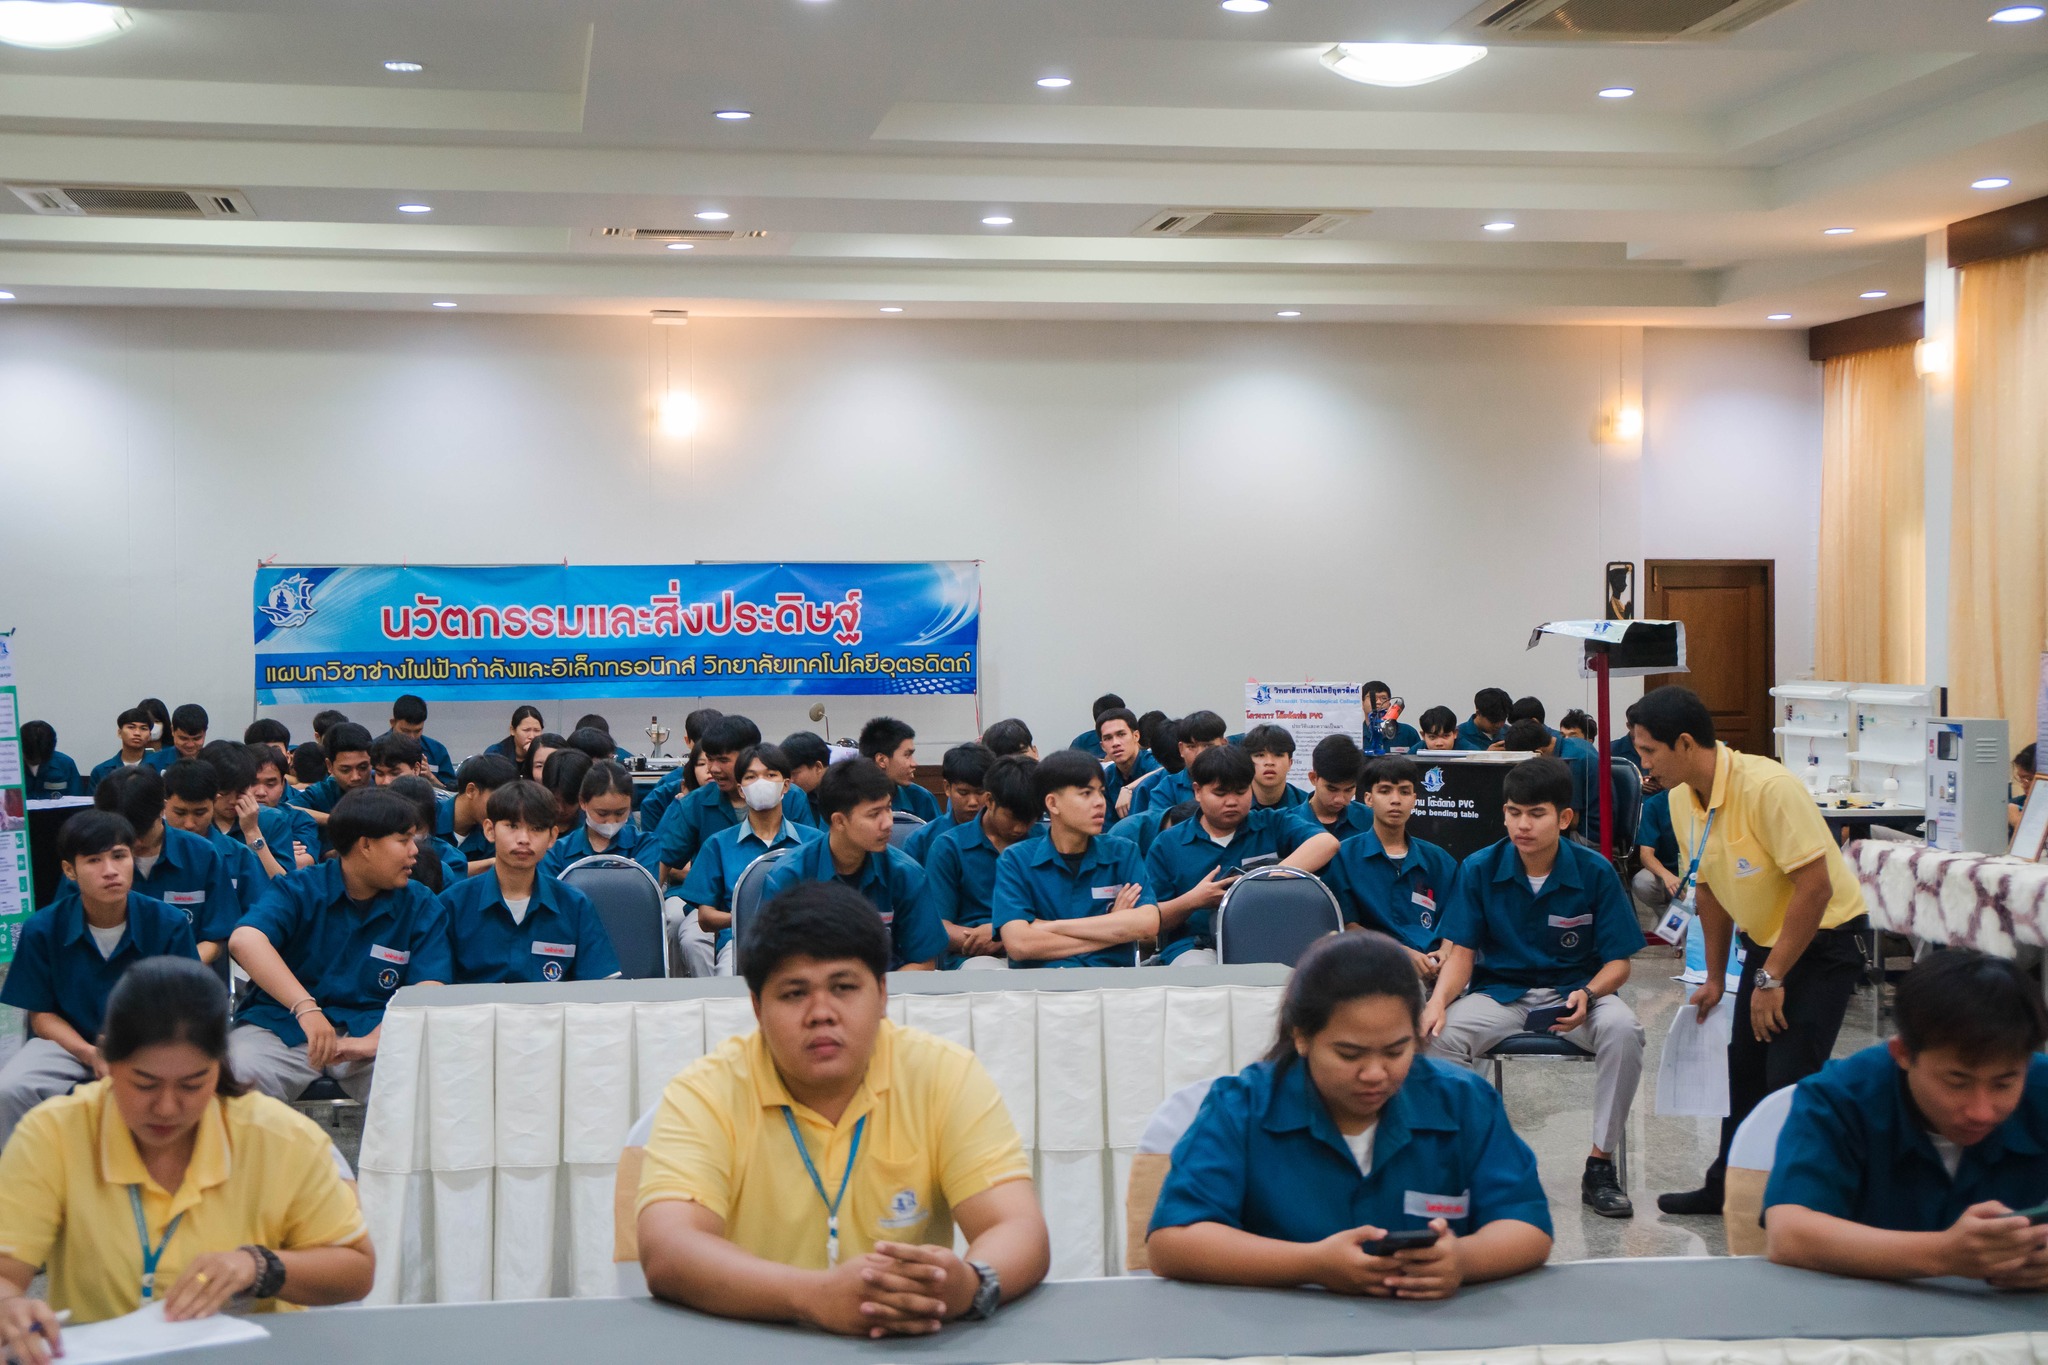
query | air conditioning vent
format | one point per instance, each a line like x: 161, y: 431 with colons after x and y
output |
x: 132, y: 201
x: 619, y: 234
x: 1245, y: 224
x: 1609, y: 20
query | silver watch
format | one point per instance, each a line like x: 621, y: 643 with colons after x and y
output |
x: 988, y: 1296
x: 1766, y: 982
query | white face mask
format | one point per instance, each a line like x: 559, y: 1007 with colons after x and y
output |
x: 146, y: 865
x: 763, y: 793
x: 605, y: 829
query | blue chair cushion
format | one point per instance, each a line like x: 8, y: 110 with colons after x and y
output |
x: 1537, y: 1045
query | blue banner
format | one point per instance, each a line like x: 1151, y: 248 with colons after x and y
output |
x: 529, y: 631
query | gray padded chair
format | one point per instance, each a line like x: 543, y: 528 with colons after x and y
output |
x: 1272, y: 914
x: 628, y: 901
x: 902, y: 827
x: 746, y: 894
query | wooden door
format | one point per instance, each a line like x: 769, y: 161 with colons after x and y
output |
x: 1729, y: 610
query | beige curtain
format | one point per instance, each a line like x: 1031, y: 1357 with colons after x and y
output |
x: 1998, y: 565
x: 1871, y: 624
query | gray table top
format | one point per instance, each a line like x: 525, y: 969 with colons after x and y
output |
x: 1081, y: 1321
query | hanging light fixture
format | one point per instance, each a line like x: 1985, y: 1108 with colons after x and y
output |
x: 676, y: 411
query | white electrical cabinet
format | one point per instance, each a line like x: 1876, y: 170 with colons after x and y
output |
x: 1888, y: 756
x: 1813, y: 729
x: 1966, y: 785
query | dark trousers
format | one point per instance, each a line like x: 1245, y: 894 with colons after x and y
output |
x: 1817, y: 995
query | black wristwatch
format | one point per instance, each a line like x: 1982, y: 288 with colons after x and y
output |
x: 986, y: 1298
x: 269, y: 1273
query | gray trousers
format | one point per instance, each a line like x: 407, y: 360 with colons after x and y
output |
x: 40, y: 1071
x: 691, y: 947
x: 1651, y: 897
x: 1476, y: 1024
x: 263, y: 1061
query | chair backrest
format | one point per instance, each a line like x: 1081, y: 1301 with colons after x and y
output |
x: 901, y: 826
x: 1627, y: 780
x: 746, y: 895
x: 1750, y: 1158
x: 1151, y: 1163
x: 1272, y: 914
x: 628, y: 901
x: 625, y: 1194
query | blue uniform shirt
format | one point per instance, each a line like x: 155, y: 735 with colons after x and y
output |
x: 191, y: 876
x: 101, y: 771
x: 298, y: 828
x: 1354, y: 820
x: 474, y: 845
x: 58, y: 777
x: 163, y: 758
x: 915, y: 799
x: 1470, y: 736
x: 319, y: 796
x: 454, y: 866
x: 706, y: 811
x: 1264, y: 1156
x: 1407, y: 899
x: 1525, y: 941
x: 717, y: 867
x: 58, y: 968
x: 1165, y: 791
x: 1114, y: 781
x: 1182, y: 856
x: 1584, y: 761
x: 245, y: 869
x: 919, y: 842
x: 629, y: 842
x: 1140, y: 828
x: 893, y: 884
x: 438, y: 757
x: 278, y: 827
x: 660, y: 797
x: 1653, y: 831
x: 1406, y: 739
x: 561, y: 938
x: 960, y: 875
x: 1088, y: 742
x: 1854, y: 1147
x: 1034, y: 880
x: 351, y: 957
x: 1291, y: 798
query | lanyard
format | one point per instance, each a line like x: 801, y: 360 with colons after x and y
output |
x: 831, y: 1204
x: 1692, y: 871
x: 149, y: 1258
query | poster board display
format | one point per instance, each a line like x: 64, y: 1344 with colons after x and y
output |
x: 1310, y: 711
x: 1459, y: 806
x: 17, y: 880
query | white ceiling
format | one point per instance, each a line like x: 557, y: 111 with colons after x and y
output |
x: 884, y: 130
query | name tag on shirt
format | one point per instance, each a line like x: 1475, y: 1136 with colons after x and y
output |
x: 383, y: 954
x: 1419, y: 1205
x: 1423, y: 899
x: 1570, y: 921
x: 555, y: 949
x: 184, y: 898
x: 1104, y: 893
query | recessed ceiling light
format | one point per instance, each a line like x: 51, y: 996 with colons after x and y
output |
x: 1288, y: 313
x: 892, y: 310
x: 5, y: 296
x: 1777, y: 317
x: 1836, y: 232
x: 415, y: 208
x: 682, y: 246
x: 46, y: 24
x: 403, y: 68
x: 733, y: 115
x: 1871, y: 294
x: 1053, y: 82
x: 714, y: 215
x: 997, y: 220
x: 1247, y: 6
x: 443, y: 303
x: 1502, y: 226
x: 1991, y: 182
x: 1400, y: 64
x: 1617, y: 92
x: 2017, y: 14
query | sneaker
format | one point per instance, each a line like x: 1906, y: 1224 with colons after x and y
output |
x: 1705, y: 1200
x: 1601, y: 1191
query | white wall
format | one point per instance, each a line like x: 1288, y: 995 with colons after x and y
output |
x: 1163, y: 510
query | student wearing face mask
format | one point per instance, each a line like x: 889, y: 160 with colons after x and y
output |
x: 763, y: 777
x: 606, y: 798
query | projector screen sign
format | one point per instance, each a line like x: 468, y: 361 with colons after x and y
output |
x: 1310, y: 711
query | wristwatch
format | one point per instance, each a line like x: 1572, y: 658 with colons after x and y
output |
x: 988, y: 1296
x: 256, y: 845
x: 1766, y: 982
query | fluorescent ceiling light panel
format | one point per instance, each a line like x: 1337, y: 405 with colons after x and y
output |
x: 1991, y: 182
x: 443, y: 303
x: 1247, y: 6
x: 733, y: 115
x: 1053, y: 82
x: 1836, y: 232
x: 415, y: 208
x: 1502, y: 226
x: 1400, y: 64
x: 1617, y: 92
x: 1778, y: 317
x: 997, y: 220
x: 49, y: 24
x: 1872, y: 294
x: 2012, y: 14
x: 714, y: 215
x: 403, y: 68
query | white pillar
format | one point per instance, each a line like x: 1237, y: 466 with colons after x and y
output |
x: 1938, y: 389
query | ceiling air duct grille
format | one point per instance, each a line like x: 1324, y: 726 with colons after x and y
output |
x: 132, y: 201
x: 1243, y: 224
x: 619, y: 234
x: 1609, y: 20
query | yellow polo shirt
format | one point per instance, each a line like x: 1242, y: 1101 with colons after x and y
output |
x: 1766, y: 827
x: 937, y: 1135
x: 260, y: 1173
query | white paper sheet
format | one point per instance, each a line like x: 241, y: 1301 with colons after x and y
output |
x: 1692, y: 1075
x: 144, y: 1333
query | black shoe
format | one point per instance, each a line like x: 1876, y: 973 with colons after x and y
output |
x: 1705, y: 1200
x: 1601, y: 1191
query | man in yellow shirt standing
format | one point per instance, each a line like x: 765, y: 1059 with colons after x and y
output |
x: 812, y: 1170
x: 1762, y: 860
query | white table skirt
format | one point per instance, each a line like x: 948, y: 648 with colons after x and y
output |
x: 1970, y: 900
x: 2013, y: 1348
x: 494, y: 1129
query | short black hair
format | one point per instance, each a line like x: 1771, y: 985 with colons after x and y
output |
x: 1338, y: 760
x: 608, y: 778
x: 1491, y: 704
x: 1438, y: 720
x: 263, y: 756
x: 1579, y: 720
x: 1226, y: 767
x: 2024, y: 760
x: 420, y: 792
x: 1268, y: 739
x: 1012, y: 784
x: 394, y: 750
x: 485, y: 772
x: 190, y: 780
x: 563, y: 775
x: 770, y: 756
x: 369, y: 813
x: 698, y: 721
x: 346, y: 737
x: 1062, y: 769
x: 883, y: 735
x: 1335, y: 970
x: 233, y: 768
x: 1538, y: 781
x: 590, y: 740
x: 38, y: 742
x: 1394, y: 768
x: 1527, y: 736
x: 1199, y: 727
x: 1007, y: 737
x: 1373, y: 689
x: 1668, y: 712
x: 189, y: 719
x: 323, y: 721
x: 729, y: 735
x: 135, y: 794
x: 170, y: 1000
x: 267, y: 731
x: 134, y: 715
x: 968, y: 764
x: 410, y: 709
x: 593, y: 721
x: 1108, y: 701
x: 521, y: 802
x: 93, y: 831
x: 823, y: 921
x: 1185, y: 811
x: 1164, y: 745
x: 804, y: 748
x: 846, y: 785
x: 1986, y: 1008
x: 1527, y: 708
x: 1122, y: 713
x: 309, y: 762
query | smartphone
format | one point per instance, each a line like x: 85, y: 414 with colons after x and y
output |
x: 1257, y: 861
x: 1413, y: 1239
x: 1540, y: 1020
x: 2036, y: 1215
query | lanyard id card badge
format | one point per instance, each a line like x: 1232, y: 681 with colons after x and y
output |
x: 1678, y: 918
